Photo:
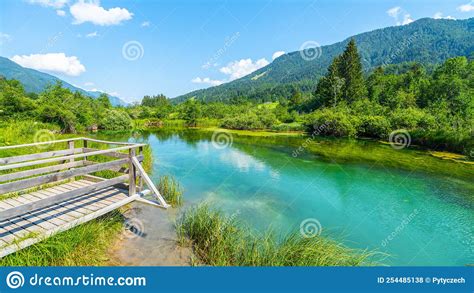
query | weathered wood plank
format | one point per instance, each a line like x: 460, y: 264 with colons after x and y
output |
x: 37, y: 156
x: 5, y: 214
x: 75, y: 214
x: 150, y: 183
x: 23, y: 244
x: 113, y: 142
x: 65, y: 158
x: 38, y: 171
x: 116, y: 155
x: 44, y: 179
x: 38, y: 143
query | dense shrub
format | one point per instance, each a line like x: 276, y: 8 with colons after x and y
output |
x: 116, y: 120
x: 374, y: 126
x: 411, y: 118
x: 248, y: 121
x: 332, y: 122
x: 252, y: 120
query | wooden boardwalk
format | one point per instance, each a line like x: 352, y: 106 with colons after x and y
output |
x: 30, y: 211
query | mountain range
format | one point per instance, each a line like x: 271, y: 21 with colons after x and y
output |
x: 35, y: 81
x: 427, y: 41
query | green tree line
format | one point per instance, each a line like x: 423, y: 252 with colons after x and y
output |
x: 71, y: 111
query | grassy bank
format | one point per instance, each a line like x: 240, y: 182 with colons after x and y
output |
x: 222, y: 241
x: 257, y: 133
x: 84, y: 245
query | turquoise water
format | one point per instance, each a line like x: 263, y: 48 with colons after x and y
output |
x: 416, y: 218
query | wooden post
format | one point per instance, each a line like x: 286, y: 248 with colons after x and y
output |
x: 132, y: 188
x: 71, y: 147
x: 85, y: 146
x: 140, y: 182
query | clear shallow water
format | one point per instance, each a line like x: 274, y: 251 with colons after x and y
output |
x: 418, y: 219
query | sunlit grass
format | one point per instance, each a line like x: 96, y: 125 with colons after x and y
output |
x: 171, y: 190
x: 84, y: 245
x: 219, y: 240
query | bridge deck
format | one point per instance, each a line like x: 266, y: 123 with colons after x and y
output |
x: 29, y: 212
x: 29, y: 228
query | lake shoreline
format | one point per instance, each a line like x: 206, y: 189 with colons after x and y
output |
x: 353, y: 150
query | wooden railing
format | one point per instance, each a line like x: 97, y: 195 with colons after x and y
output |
x: 23, y: 172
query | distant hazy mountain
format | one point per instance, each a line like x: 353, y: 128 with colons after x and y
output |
x: 428, y: 41
x: 36, y: 81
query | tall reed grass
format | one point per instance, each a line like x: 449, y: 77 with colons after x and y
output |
x: 171, y: 190
x: 219, y: 240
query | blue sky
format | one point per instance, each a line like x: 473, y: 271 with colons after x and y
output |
x: 131, y: 48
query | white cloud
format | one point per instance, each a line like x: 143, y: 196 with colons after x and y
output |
x: 91, y: 11
x: 396, y: 12
x: 277, y: 54
x: 439, y: 15
x: 207, y: 80
x: 61, y: 12
x: 56, y: 4
x: 4, y: 38
x: 243, y: 67
x: 467, y: 7
x: 92, y: 35
x: 145, y: 24
x: 234, y: 70
x: 54, y: 62
x: 407, y: 19
x: 88, y: 83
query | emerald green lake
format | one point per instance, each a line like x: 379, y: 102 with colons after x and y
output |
x: 417, y: 217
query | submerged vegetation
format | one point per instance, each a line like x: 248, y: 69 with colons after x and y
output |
x: 219, y: 240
